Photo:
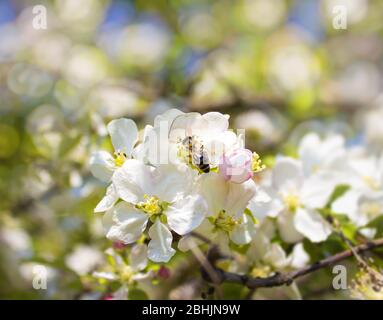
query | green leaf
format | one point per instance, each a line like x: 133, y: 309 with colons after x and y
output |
x: 339, y: 191
x: 137, y: 294
x: 377, y: 223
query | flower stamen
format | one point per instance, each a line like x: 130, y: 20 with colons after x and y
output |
x: 256, y: 163
x: 120, y: 158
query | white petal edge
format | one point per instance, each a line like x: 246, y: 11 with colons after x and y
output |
x: 186, y: 214
x: 124, y: 134
x: 108, y: 201
x: 312, y: 225
x: 101, y: 165
x: 124, y: 223
x: 160, y: 246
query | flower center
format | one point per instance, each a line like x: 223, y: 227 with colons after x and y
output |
x: 126, y: 273
x: 371, y: 182
x: 256, y: 163
x: 191, y: 151
x: 120, y: 158
x: 224, y: 221
x: 291, y: 202
x: 152, y: 205
x: 372, y: 209
x: 260, y: 271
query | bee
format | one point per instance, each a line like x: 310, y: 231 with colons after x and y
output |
x: 201, y: 160
x: 196, y: 155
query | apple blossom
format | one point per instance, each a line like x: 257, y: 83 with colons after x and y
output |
x: 239, y: 165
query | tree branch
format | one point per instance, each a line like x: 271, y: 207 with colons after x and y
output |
x: 280, y: 279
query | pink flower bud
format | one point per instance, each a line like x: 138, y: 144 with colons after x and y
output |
x: 236, y: 165
x: 163, y: 272
x: 119, y: 245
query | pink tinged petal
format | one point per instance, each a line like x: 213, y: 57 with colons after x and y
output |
x: 186, y: 214
x: 118, y: 245
x: 124, y: 135
x: 236, y: 166
x: 124, y: 223
x: 133, y: 180
x: 160, y: 246
x: 102, y: 165
x: 108, y: 201
x: 312, y: 225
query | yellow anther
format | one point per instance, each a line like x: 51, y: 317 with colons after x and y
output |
x: 371, y: 182
x: 371, y: 209
x: 126, y: 273
x: 224, y: 222
x: 260, y: 272
x: 151, y: 206
x: 256, y: 163
x: 120, y: 159
x: 292, y: 202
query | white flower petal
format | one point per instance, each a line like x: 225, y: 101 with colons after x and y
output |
x: 312, y: 225
x: 186, y: 214
x: 124, y: 135
x: 287, y: 174
x: 124, y: 223
x: 216, y: 122
x: 187, y: 124
x: 138, y: 257
x: 348, y: 204
x: 167, y: 117
x: 160, y: 246
x: 265, y: 203
x: 238, y: 197
x: 214, y: 189
x: 287, y: 229
x: 243, y: 233
x: 102, y: 165
x: 108, y: 201
x: 259, y: 246
x: 299, y: 257
x: 172, y: 181
x: 133, y: 180
x: 188, y: 242
x: 320, y: 154
x: 317, y: 190
x: 276, y: 256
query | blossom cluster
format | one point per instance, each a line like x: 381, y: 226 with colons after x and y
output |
x: 189, y: 173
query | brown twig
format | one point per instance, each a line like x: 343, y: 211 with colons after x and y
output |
x: 280, y: 279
